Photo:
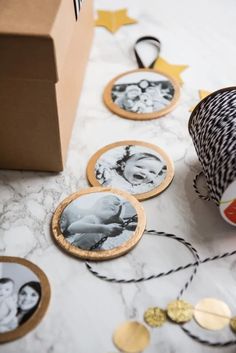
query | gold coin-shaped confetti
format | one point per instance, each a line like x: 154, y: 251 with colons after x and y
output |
x: 180, y: 311
x: 131, y: 337
x: 155, y: 317
x: 212, y: 314
x: 233, y: 323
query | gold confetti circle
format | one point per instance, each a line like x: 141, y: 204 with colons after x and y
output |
x: 155, y: 317
x: 212, y: 314
x: 180, y: 311
x: 233, y: 323
x: 131, y: 337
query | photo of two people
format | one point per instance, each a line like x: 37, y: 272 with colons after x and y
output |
x: 20, y: 294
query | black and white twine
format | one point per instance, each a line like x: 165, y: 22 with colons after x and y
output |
x: 212, y: 127
x: 155, y: 42
x: 195, y: 186
x: 160, y: 274
x: 195, y: 264
x: 77, y: 7
x: 206, y: 342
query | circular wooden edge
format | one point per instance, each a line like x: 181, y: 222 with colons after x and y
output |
x: 38, y: 315
x: 103, y: 254
x: 135, y: 116
x: 209, y: 96
x: 146, y: 195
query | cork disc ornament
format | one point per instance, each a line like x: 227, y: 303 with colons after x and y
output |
x: 98, y: 223
x: 144, y: 93
x: 24, y: 297
x: 140, y: 168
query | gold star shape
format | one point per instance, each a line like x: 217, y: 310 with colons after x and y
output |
x: 202, y: 94
x: 171, y: 69
x: 113, y: 20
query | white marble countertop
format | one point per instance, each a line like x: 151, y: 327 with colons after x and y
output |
x: 84, y: 311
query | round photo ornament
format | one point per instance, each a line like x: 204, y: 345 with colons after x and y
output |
x: 137, y: 167
x: 24, y: 297
x: 98, y: 223
x: 144, y: 93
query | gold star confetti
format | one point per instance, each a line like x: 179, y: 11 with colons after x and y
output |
x: 171, y: 69
x: 202, y: 94
x: 113, y: 20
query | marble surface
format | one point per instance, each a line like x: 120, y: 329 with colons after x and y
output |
x: 84, y: 311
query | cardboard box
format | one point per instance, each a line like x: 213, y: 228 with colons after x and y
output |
x: 43, y: 55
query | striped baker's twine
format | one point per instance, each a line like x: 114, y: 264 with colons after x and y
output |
x: 161, y: 274
x: 190, y: 247
x: 206, y: 342
x: 195, y: 181
x: 195, y: 264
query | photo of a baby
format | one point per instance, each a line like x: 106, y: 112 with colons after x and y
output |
x: 98, y: 221
x: 20, y: 294
x: 142, y: 92
x: 133, y: 168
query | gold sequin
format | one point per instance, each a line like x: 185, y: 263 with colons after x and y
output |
x: 155, y: 317
x: 233, y: 323
x: 180, y: 311
x: 131, y: 337
x: 212, y: 314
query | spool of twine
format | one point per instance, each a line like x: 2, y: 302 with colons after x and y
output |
x: 212, y: 126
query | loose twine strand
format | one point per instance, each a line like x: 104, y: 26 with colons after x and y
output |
x: 195, y: 264
x: 195, y: 186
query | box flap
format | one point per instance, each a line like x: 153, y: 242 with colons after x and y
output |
x: 34, y: 37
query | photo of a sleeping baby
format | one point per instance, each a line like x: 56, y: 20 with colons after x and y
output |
x: 20, y: 294
x: 142, y: 92
x: 98, y: 221
x: 133, y: 168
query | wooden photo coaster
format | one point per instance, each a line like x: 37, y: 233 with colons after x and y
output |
x: 142, y: 94
x: 98, y: 223
x: 24, y: 297
x: 140, y: 168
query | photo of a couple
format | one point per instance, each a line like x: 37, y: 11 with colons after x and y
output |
x: 20, y: 295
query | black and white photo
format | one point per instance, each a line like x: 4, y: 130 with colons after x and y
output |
x: 20, y: 295
x: 142, y: 92
x: 134, y: 168
x: 98, y: 221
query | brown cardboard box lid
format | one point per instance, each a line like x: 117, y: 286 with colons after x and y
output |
x: 34, y: 37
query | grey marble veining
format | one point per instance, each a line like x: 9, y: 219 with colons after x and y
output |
x: 84, y: 311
